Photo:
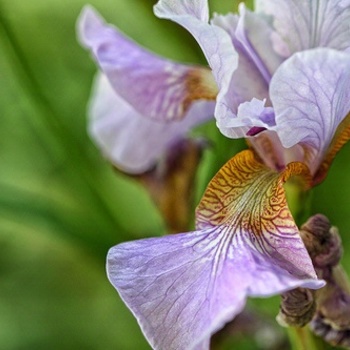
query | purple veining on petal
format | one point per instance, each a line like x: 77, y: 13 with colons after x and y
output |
x: 248, y: 47
x: 178, y: 286
x: 311, y: 96
x: 309, y: 24
x: 183, y: 288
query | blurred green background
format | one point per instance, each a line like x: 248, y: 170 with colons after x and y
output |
x: 61, y: 205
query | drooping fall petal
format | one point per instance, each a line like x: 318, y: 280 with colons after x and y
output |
x: 132, y: 142
x: 156, y: 87
x: 310, y: 93
x: 247, y: 197
x: 182, y: 288
x: 302, y: 25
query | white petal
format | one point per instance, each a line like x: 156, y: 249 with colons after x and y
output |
x: 310, y: 93
x: 309, y: 24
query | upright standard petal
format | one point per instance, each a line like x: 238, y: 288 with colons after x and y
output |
x: 310, y: 93
x: 249, y: 80
x: 256, y: 62
x: 308, y: 24
x: 157, y: 88
x: 183, y: 288
x: 254, y: 32
x: 130, y: 141
x: 215, y: 42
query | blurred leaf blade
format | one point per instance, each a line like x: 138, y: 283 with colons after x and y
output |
x: 61, y: 205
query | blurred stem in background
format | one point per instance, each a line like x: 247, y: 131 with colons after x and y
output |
x: 302, y: 339
x: 56, y: 139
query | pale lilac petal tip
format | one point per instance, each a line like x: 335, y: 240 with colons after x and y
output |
x: 310, y: 93
x: 157, y: 88
x: 132, y: 142
x: 194, y: 8
x: 88, y: 25
x: 283, y: 265
x: 180, y: 287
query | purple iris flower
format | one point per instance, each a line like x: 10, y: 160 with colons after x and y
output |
x: 279, y: 76
x: 272, y: 67
x: 141, y: 104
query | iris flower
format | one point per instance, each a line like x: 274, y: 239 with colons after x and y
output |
x: 280, y: 77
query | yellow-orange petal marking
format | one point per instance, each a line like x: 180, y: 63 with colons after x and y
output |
x: 200, y: 85
x: 341, y: 137
x: 248, y: 197
x: 193, y: 283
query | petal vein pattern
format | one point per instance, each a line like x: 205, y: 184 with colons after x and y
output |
x: 249, y: 199
x: 310, y: 93
x: 309, y: 24
x: 182, y: 288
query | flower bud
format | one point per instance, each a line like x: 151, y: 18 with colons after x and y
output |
x: 297, y: 308
x: 335, y: 337
x: 332, y: 319
x: 322, y: 241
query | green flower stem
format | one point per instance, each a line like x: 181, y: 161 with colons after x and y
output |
x: 299, y: 202
x: 302, y: 339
